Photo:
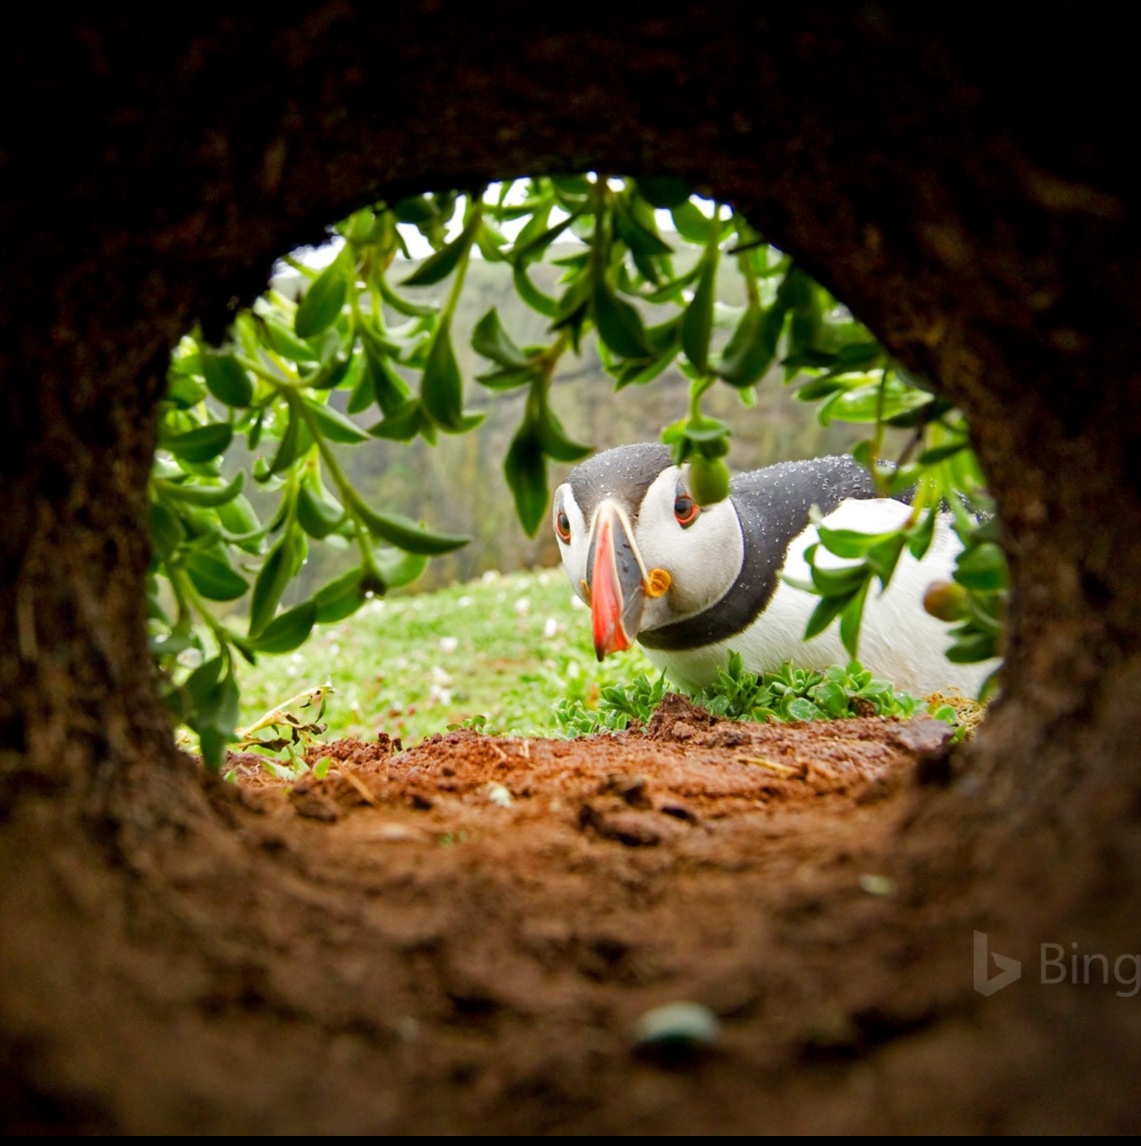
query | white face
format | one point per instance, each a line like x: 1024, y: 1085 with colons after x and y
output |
x: 573, y: 533
x: 700, y: 549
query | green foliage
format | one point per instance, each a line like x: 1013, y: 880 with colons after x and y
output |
x: 788, y: 694
x: 359, y: 358
x: 803, y: 694
x: 859, y: 383
x: 618, y: 707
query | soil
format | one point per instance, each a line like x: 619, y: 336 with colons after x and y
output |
x: 542, y: 895
x: 465, y: 936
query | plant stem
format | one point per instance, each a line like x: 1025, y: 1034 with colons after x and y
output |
x: 348, y: 495
x: 472, y: 226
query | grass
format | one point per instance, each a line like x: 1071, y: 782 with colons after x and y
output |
x: 508, y: 648
x: 512, y: 654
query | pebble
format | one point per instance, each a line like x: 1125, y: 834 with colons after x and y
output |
x: 681, y: 1026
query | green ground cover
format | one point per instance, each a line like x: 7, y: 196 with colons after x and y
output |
x: 507, y: 647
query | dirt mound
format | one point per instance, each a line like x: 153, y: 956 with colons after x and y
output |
x: 537, y: 897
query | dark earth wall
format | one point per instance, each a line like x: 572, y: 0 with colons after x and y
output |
x: 961, y: 184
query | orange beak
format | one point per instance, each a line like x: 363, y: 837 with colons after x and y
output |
x: 616, y: 582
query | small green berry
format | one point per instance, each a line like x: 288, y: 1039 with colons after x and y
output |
x: 708, y: 480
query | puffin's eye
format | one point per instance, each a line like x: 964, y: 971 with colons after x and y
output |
x: 685, y: 510
x: 562, y: 525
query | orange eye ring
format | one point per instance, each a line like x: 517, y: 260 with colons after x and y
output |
x: 562, y: 525
x: 686, y: 510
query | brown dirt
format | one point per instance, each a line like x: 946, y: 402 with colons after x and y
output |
x: 460, y: 937
x: 539, y: 896
x: 545, y: 894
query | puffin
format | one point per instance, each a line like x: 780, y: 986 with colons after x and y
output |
x: 692, y: 583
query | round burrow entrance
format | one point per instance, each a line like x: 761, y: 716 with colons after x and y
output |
x: 988, y: 251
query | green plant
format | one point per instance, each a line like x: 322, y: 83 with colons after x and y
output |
x: 387, y: 351
x: 942, y: 474
x: 618, y: 706
x: 788, y: 694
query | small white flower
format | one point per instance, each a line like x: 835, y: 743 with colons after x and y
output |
x: 437, y: 694
x: 449, y: 644
x: 465, y: 601
x: 551, y: 628
x: 522, y: 606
